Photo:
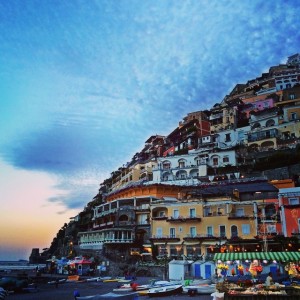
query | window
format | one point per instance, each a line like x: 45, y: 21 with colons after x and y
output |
x: 215, y: 161
x: 193, y: 231
x: 207, y: 211
x: 222, y: 231
x: 166, y: 165
x: 245, y: 229
x: 159, y: 232
x: 209, y: 231
x: 180, y: 229
x: 293, y: 201
x: 227, y: 137
x: 182, y: 164
x: 225, y: 159
x: 192, y: 212
x: 291, y: 96
x: 240, y: 212
x: 172, y: 232
x: 175, y: 213
x: 161, y: 214
x: 234, y: 231
x: 271, y: 229
x: 294, y: 116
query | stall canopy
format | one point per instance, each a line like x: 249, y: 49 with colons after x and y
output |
x: 278, y: 256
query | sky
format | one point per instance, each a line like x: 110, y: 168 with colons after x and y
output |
x: 83, y: 85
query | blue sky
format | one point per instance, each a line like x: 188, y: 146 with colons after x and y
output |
x: 85, y: 83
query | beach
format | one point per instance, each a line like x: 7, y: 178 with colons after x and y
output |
x: 65, y: 291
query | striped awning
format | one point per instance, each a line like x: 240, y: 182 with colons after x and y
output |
x: 278, y: 256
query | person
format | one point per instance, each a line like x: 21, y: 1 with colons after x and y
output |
x: 76, y: 294
x: 269, y: 279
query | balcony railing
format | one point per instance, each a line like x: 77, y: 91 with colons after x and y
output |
x: 238, y: 216
x: 157, y: 218
x: 165, y: 238
x: 176, y: 219
x: 201, y: 237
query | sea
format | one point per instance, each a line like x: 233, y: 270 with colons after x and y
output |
x: 10, y: 265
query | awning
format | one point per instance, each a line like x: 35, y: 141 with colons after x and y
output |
x: 278, y: 256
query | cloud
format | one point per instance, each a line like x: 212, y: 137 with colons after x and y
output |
x: 84, y: 88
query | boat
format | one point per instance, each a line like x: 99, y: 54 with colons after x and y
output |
x: 165, y: 290
x: 93, y: 279
x: 143, y: 287
x: 128, y: 296
x: 200, y: 289
x: 57, y: 281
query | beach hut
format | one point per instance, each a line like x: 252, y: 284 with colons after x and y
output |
x: 179, y: 269
x: 81, y: 265
x: 201, y: 269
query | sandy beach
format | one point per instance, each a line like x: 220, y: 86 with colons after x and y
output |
x: 65, y: 291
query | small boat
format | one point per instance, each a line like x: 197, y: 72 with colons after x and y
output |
x: 165, y: 290
x: 143, y: 287
x: 128, y: 296
x: 57, y: 281
x: 111, y: 280
x: 200, y: 289
x: 93, y: 279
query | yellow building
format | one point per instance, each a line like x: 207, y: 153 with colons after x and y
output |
x: 197, y: 227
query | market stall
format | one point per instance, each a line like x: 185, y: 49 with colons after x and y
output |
x: 258, y: 275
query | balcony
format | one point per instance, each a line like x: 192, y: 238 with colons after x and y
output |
x: 142, y: 208
x: 176, y: 219
x: 214, y: 214
x: 234, y: 216
x: 193, y: 218
x: 118, y: 241
x: 160, y: 218
x: 200, y: 237
x: 165, y: 238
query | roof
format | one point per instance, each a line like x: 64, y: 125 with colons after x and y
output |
x: 278, y: 256
x: 249, y: 187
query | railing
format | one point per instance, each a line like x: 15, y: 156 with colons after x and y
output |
x: 160, y: 218
x: 172, y: 236
x: 214, y: 214
x: 202, y: 236
x: 238, y: 216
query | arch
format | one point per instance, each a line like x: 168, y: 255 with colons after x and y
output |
x: 267, y: 144
x: 166, y: 164
x: 167, y: 175
x: 182, y: 163
x: 182, y: 174
x: 270, y: 123
x: 123, y: 218
x: 194, y: 173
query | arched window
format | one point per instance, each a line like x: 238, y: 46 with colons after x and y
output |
x: 234, y: 231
